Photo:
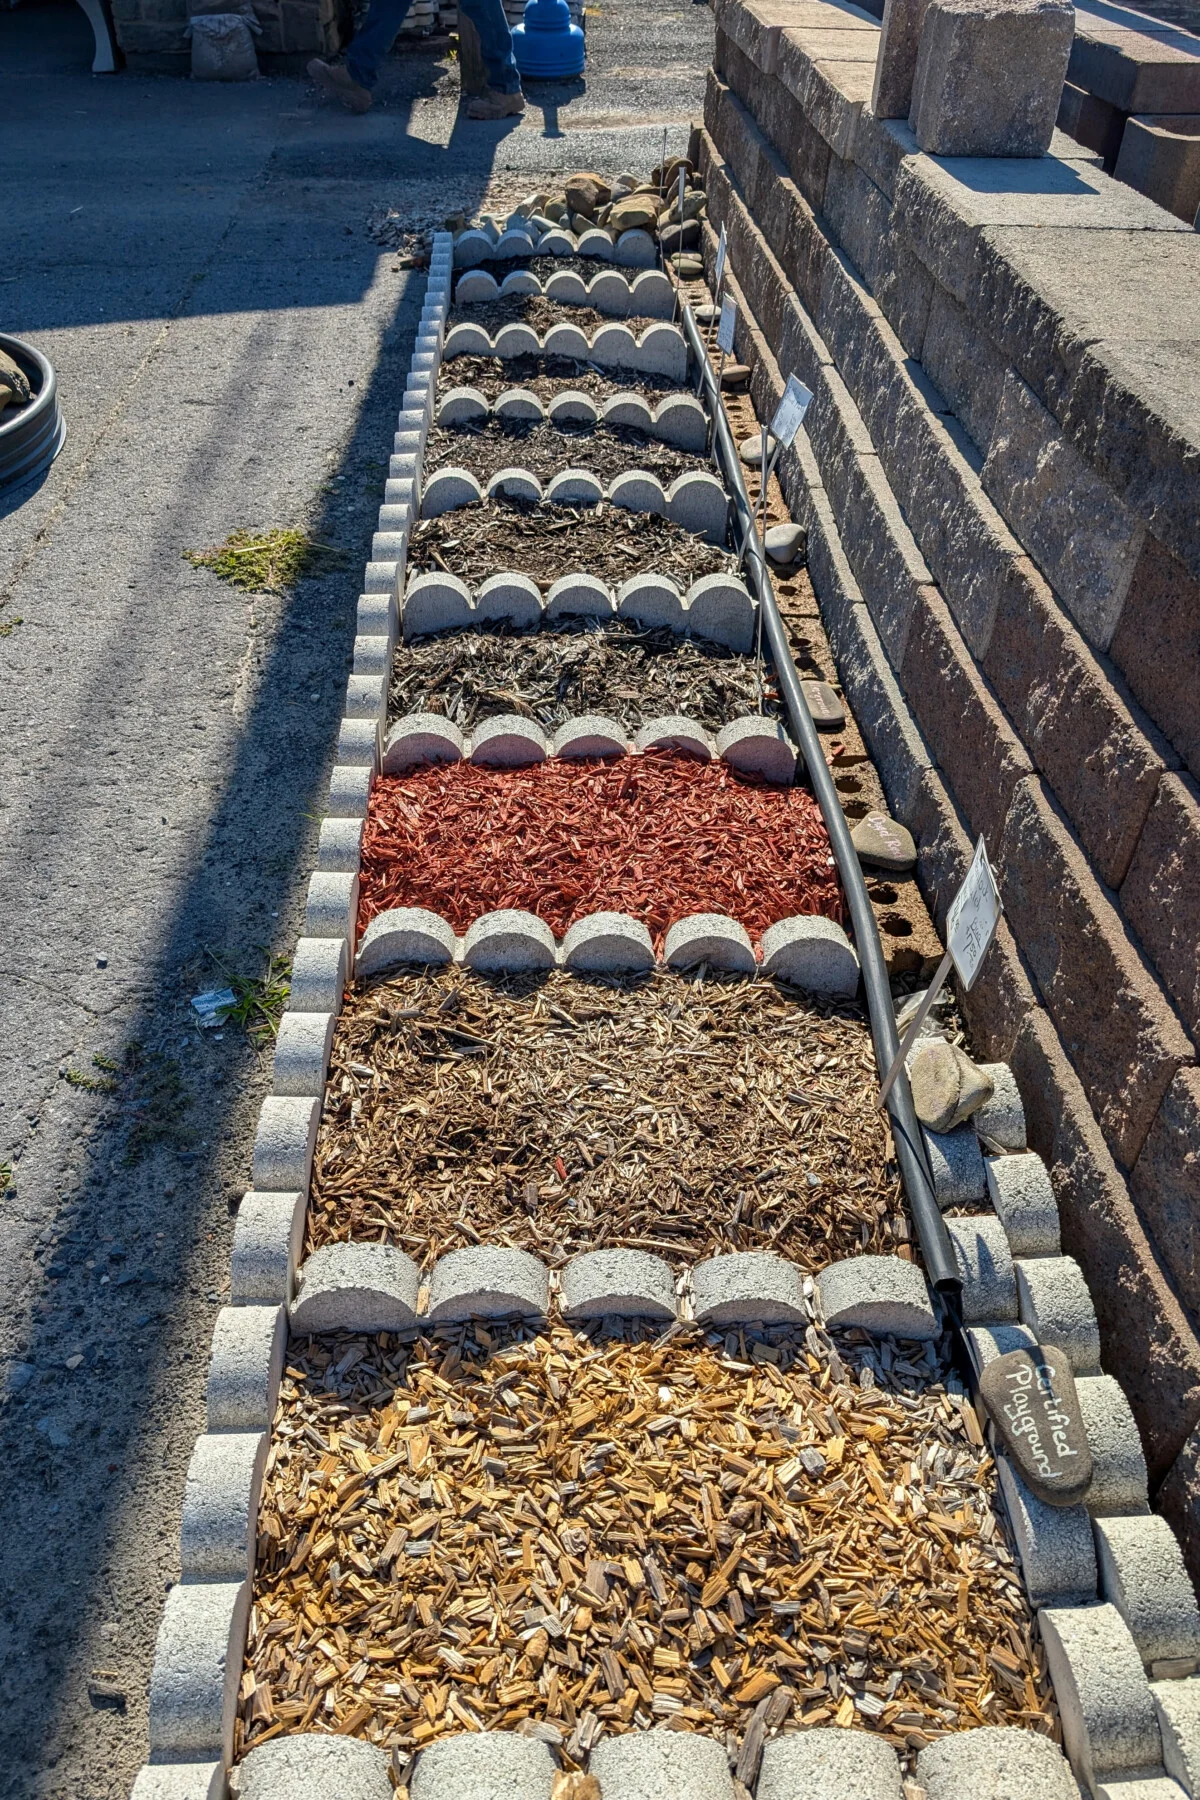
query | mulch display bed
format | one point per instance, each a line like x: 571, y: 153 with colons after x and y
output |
x: 658, y: 836
x: 540, y: 313
x: 497, y: 537
x: 682, y: 1114
x: 545, y: 449
x: 547, y: 376
x: 572, y: 667
x: 502, y: 1529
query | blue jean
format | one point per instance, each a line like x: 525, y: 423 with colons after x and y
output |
x: 371, y: 43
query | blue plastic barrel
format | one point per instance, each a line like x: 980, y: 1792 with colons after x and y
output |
x: 547, y: 46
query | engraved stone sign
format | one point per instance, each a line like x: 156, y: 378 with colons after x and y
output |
x: 1031, y: 1399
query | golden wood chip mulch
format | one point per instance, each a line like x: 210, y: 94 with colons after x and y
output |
x: 560, y: 1113
x: 498, y: 1529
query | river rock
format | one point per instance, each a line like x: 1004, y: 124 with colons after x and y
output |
x: 14, y: 383
x: 586, y: 192
x: 974, y: 1088
x: 883, y: 843
x: 828, y: 713
x: 785, y: 545
x: 733, y: 375
x: 688, y: 266
x: 750, y: 449
x: 679, y: 237
x: 633, y: 213
x: 1031, y: 1400
x: 933, y: 1076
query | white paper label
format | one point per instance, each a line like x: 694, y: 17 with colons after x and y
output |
x: 681, y: 190
x: 726, y: 328
x: 973, y: 917
x: 719, y: 274
x: 789, y: 414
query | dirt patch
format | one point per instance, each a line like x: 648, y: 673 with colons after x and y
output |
x: 536, y: 311
x: 495, y: 537
x: 575, y: 666
x: 545, y: 449
x: 547, y: 376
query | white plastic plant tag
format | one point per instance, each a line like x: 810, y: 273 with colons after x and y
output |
x: 727, y: 327
x: 722, y: 251
x: 789, y: 414
x: 973, y: 917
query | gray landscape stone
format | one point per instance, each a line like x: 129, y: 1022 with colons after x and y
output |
x: 660, y: 1765
x: 682, y: 421
x: 956, y: 1163
x: 243, y: 1374
x: 638, y: 492
x: 880, y: 1294
x: 318, y: 978
x: 448, y: 489
x: 518, y: 406
x: 590, y: 736
x: 487, y: 1284
x: 579, y: 596
x: 1019, y: 1189
x: 283, y: 1144
x: 710, y: 938
x: 484, y: 1765
x: 356, y: 1287
x: 315, y: 1766
x: 1053, y: 1544
x: 748, y: 1287
x: 697, y: 501
x: 509, y: 741
x: 420, y: 738
x: 1057, y: 1307
x: 508, y: 942
x: 436, y: 602
x: 220, y: 1506
x: 629, y: 1284
x: 829, y: 1764
x: 1001, y: 1119
x: 266, y: 1248
x: 179, y: 1781
x: 758, y: 746
x: 881, y: 842
x: 811, y: 953
x: 995, y: 1762
x: 302, y: 1053
x: 652, y: 600
x: 405, y: 934
x: 608, y: 943
x: 572, y: 407
x: 331, y: 906
x: 1177, y: 1705
x: 675, y: 732
x: 513, y: 598
x: 989, y: 76
x: 1120, y: 1483
x: 1109, y: 1722
x: 1142, y: 1574
x: 349, y: 791
x: 515, y: 484
x: 197, y: 1668
x: 986, y: 1266
x: 719, y: 607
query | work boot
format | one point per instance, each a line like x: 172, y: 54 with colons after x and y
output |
x: 336, y: 80
x: 493, y: 105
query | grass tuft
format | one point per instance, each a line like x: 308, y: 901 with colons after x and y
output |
x: 267, y: 562
x: 260, y: 999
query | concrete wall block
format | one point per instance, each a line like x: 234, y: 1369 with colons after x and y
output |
x: 1177, y: 1705
x: 892, y: 736
x: 1119, y: 1480
x: 880, y: 1294
x: 832, y: 97
x: 1142, y: 1574
x: 709, y: 938
x: 247, y: 1360
x: 986, y: 1267
x: 965, y: 365
x: 318, y: 978
x: 811, y: 953
x: 675, y: 732
x: 197, y: 1667
x: 1156, y: 643
x: 1117, y: 1028
x: 1107, y: 1710
x: 266, y: 1248
x: 1165, y: 1182
x: 356, y: 1287
x: 588, y: 736
x: 1019, y: 1189
x: 1057, y: 1307
x: 748, y: 1287
x: 652, y: 1765
x: 284, y: 1143
x: 315, y: 1766
x: 481, y: 1283
x: 1160, y: 895
x: 988, y: 78
x: 220, y: 1506
x: 630, y: 1284
x: 514, y: 599
x: 829, y: 1765
x: 332, y: 906
x: 993, y: 1763
x: 698, y: 502
x: 1053, y: 1544
x: 484, y: 1765
x: 302, y: 1053
x: 509, y: 741
x: 581, y: 596
x: 652, y: 600
x: 422, y: 738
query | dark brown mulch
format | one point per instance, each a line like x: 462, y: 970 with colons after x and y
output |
x: 546, y: 376
x: 545, y: 266
x: 544, y: 449
x: 572, y: 668
x: 495, y: 537
x: 540, y: 314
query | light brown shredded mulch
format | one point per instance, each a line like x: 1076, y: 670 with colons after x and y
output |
x: 545, y: 449
x: 496, y: 537
x: 549, y: 375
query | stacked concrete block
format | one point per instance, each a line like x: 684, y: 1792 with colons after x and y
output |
x: 356, y: 1287
x: 312, y: 1766
x: 1053, y: 1544
x: 1143, y: 1576
x: 824, y: 1764
x: 989, y: 76
x: 485, y: 1765
x: 1109, y: 1723
x: 880, y: 1294
x: 197, y: 1667
x: 995, y: 1762
x: 650, y: 1765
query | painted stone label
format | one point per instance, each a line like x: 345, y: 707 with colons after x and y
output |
x: 1031, y: 1399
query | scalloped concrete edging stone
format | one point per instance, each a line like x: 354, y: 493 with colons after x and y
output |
x: 881, y: 1294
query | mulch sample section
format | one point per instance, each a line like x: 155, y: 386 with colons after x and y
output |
x: 546, y: 449
x: 658, y: 836
x: 547, y: 376
x: 539, y: 313
x: 484, y: 1528
x: 682, y: 1114
x: 500, y: 537
x: 573, y: 667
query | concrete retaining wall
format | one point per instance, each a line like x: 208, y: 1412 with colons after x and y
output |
x: 1000, y: 475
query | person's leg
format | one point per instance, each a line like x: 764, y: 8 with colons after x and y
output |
x: 371, y: 43
x: 495, y: 41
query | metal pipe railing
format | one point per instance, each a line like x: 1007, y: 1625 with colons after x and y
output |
x: 906, y: 1131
